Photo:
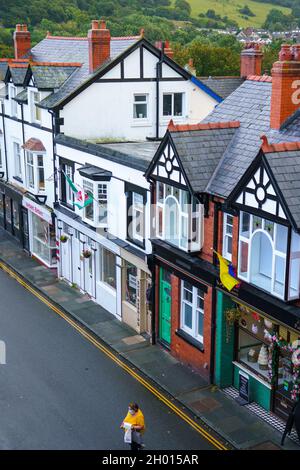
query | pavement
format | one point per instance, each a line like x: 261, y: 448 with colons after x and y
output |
x: 236, y: 425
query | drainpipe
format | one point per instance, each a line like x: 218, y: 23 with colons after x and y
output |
x: 53, y: 117
x: 158, y: 75
x: 217, y: 207
x: 4, y: 139
x: 151, y: 265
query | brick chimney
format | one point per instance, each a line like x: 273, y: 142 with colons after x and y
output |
x: 251, y: 60
x: 285, y: 85
x: 166, y: 46
x: 22, y: 42
x: 99, y: 44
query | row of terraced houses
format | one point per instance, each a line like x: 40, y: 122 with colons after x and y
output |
x: 179, y: 170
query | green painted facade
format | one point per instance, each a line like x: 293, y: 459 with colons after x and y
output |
x: 227, y: 374
x: 224, y: 343
x: 258, y: 391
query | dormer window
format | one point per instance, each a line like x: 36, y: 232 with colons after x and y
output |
x: 95, y: 213
x: 263, y: 256
x: 178, y: 217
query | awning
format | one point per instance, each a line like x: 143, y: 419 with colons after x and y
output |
x: 94, y: 173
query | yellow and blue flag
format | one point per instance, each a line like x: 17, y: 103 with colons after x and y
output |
x: 226, y: 273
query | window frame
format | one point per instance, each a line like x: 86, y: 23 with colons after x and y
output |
x: 132, y: 232
x: 226, y: 235
x: 36, y: 113
x: 276, y: 253
x: 146, y: 102
x: 64, y: 187
x: 35, y: 171
x: 18, y: 175
x: 12, y: 91
x: 95, y: 221
x: 172, y: 94
x: 102, y: 250
x: 185, y: 217
x: 196, y: 311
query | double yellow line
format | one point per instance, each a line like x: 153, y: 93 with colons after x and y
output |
x: 217, y: 444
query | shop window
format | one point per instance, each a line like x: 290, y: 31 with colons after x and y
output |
x: 179, y: 217
x: 227, y: 236
x: 136, y: 201
x: 131, y: 286
x: 8, y: 212
x: 140, y: 106
x: 263, y: 254
x: 35, y: 173
x: 95, y: 213
x: 44, y: 242
x: 17, y: 160
x: 173, y: 104
x: 108, y: 267
x: 192, y: 310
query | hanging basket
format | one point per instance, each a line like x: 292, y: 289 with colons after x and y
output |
x: 232, y: 315
x: 63, y: 238
x: 86, y: 254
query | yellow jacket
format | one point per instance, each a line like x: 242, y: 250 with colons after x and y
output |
x: 136, y: 420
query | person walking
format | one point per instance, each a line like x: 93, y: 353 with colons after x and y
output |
x: 134, y: 426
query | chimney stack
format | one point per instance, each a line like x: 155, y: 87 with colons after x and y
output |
x: 99, y: 45
x: 22, y: 42
x: 168, y: 50
x: 251, y: 60
x: 285, y: 85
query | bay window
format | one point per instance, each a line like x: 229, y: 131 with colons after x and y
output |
x: 263, y: 248
x: 192, y: 311
x: 95, y: 213
x: 44, y: 241
x: 35, y: 173
x: 178, y: 217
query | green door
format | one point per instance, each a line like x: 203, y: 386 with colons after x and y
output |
x: 165, y: 306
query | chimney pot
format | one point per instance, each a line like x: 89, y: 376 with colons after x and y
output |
x: 22, y: 41
x: 285, y: 98
x: 99, y: 44
x: 251, y: 60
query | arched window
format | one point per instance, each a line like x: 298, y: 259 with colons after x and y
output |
x: 263, y: 253
x: 172, y: 220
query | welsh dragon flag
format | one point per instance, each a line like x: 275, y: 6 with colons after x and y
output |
x: 82, y: 197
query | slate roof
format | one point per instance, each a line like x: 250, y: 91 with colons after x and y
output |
x: 21, y: 97
x: 250, y: 105
x: 50, y: 77
x: 223, y: 86
x: 131, y: 154
x: 18, y: 74
x: 200, y: 151
x: 285, y: 167
x: 57, y: 49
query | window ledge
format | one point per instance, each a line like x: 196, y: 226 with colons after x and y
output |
x: 141, y: 123
x: 189, y: 339
x: 17, y: 178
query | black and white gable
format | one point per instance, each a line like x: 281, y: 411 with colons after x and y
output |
x: 260, y: 192
x: 166, y: 166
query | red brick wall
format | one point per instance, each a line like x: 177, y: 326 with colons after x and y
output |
x: 182, y: 350
x: 206, y: 252
x: 251, y: 63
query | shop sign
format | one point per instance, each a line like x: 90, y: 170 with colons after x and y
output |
x: 132, y: 281
x: 38, y: 210
x: 243, y: 398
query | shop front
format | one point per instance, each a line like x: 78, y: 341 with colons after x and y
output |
x: 255, y: 345
x: 12, y: 217
x: 42, y: 240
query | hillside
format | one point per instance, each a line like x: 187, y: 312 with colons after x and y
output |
x: 230, y: 8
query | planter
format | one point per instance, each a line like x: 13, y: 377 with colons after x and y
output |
x: 63, y: 238
x: 86, y: 254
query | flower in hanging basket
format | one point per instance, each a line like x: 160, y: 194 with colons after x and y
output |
x: 232, y: 315
x: 86, y: 253
x: 63, y: 238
